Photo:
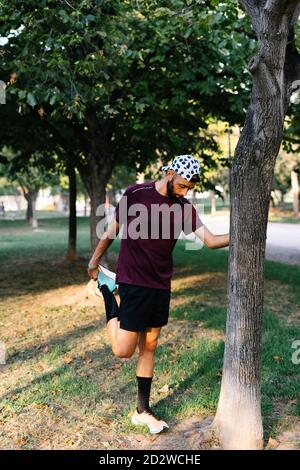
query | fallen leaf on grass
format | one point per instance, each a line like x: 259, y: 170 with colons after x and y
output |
x: 117, y: 366
x: 68, y: 359
x: 272, y: 443
x: 278, y: 358
x: 21, y: 441
x: 38, y: 368
x: 106, y: 421
x: 106, y: 404
x: 164, y: 389
x: 39, y: 406
x: 69, y: 442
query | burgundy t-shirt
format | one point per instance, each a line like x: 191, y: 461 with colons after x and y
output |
x: 151, y: 225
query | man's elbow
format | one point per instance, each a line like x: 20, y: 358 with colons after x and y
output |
x: 211, y: 243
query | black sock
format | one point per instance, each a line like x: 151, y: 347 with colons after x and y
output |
x: 144, y: 386
x: 111, y: 306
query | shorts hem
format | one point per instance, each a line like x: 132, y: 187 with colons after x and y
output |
x: 141, y: 329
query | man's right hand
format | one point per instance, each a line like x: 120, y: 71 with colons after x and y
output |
x: 93, y: 273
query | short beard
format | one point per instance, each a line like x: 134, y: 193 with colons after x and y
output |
x: 170, y: 190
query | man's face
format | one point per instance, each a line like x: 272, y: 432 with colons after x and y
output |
x: 178, y: 187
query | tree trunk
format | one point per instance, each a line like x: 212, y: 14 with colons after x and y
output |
x: 31, y: 196
x: 96, y: 173
x: 282, y: 203
x: 29, y: 208
x: 95, y: 179
x: 238, y: 422
x: 85, y: 205
x: 295, y: 192
x: 213, y: 202
x: 34, y: 221
x: 71, y: 254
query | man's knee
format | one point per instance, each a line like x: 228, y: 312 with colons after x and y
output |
x: 122, y: 352
x: 148, y: 346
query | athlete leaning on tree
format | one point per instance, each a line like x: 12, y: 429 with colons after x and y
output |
x: 145, y: 268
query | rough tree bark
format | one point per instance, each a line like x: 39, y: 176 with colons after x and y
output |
x: 238, y: 422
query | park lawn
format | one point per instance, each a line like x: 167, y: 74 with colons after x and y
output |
x: 62, y: 388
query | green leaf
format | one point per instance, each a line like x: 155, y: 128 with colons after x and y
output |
x: 31, y: 100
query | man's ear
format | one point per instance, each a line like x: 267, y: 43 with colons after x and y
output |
x: 170, y: 174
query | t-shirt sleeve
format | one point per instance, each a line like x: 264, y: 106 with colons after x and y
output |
x: 191, y: 219
x: 123, y: 204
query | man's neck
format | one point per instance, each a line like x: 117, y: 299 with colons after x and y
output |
x: 161, y: 187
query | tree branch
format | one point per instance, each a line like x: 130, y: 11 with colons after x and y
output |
x: 290, y: 139
x: 252, y: 9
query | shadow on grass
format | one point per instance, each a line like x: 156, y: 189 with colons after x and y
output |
x: 212, y: 316
x: 64, y: 379
x: 40, y: 275
x: 198, y: 392
x: 57, y: 340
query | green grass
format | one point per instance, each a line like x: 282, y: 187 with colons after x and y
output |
x: 189, y: 363
x: 50, y: 239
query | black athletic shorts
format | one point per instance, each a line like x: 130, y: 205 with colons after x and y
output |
x: 143, y: 307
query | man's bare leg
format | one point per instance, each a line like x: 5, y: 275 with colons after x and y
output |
x: 123, y: 342
x: 147, y: 344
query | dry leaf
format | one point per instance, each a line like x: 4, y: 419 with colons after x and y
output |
x: 164, y: 389
x: 117, y: 366
x: 106, y: 404
x: 278, y: 358
x: 272, y: 443
x: 40, y: 406
x: 106, y: 421
x: 21, y: 441
x: 69, y: 442
x: 68, y: 359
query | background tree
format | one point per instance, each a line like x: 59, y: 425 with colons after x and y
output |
x: 126, y: 81
x: 30, y: 178
x: 286, y: 178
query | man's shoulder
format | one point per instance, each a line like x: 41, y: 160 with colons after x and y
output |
x: 134, y: 188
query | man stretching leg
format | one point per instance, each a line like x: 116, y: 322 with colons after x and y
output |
x: 153, y: 215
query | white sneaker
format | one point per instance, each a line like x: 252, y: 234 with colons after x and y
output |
x: 147, y: 418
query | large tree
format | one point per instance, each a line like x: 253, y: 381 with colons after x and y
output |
x: 125, y: 81
x: 274, y: 69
